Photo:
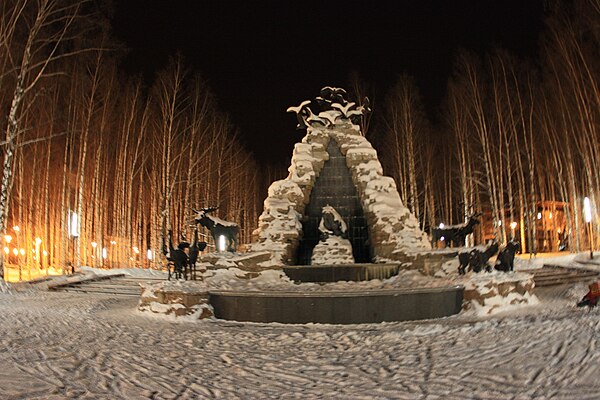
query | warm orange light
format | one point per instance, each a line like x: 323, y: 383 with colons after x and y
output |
x: 136, y: 250
x: 513, y: 225
x: 38, y: 240
x: 45, y: 253
x: 16, y: 228
x: 7, y: 238
x: 16, y: 251
x: 94, y: 244
x: 6, y: 250
x: 550, y: 215
x: 22, y: 251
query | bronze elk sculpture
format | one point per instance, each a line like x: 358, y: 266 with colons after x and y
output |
x: 218, y: 227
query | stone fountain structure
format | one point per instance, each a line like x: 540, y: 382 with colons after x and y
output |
x: 335, y: 165
x: 335, y: 217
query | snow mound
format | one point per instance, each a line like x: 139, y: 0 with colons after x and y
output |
x: 494, y: 292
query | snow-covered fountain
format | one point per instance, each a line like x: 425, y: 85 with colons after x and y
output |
x: 335, y: 243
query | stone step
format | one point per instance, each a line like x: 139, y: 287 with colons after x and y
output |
x: 83, y: 290
x: 551, y: 275
x: 114, y: 285
x: 107, y: 287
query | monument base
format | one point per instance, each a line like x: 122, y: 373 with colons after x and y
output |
x: 338, y: 307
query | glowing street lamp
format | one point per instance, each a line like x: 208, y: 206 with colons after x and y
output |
x: 513, y: 225
x: 73, y: 224
x: 587, y: 213
x: 38, y: 241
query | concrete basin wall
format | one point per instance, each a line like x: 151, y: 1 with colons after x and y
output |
x: 340, y: 272
x: 337, y: 307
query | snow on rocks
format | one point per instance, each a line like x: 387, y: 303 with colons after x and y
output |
x: 177, y: 299
x: 334, y: 250
x: 490, y: 293
x: 393, y: 230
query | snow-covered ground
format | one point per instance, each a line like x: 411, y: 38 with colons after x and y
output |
x: 61, y: 345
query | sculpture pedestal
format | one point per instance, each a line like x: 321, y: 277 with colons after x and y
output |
x: 335, y: 250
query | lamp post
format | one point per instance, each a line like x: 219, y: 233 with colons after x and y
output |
x: 513, y: 226
x: 587, y: 213
x: 74, y: 235
x: 7, y: 240
x: 17, y: 230
x: 38, y: 242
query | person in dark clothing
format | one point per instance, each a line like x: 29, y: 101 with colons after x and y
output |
x: 591, y: 298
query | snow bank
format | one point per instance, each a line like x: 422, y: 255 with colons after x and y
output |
x: 133, y: 272
x: 275, y: 280
x: 491, y: 293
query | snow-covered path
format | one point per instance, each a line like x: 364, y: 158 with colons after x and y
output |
x: 59, y: 345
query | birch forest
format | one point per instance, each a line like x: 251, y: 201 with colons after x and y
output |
x: 512, y: 134
x: 97, y: 167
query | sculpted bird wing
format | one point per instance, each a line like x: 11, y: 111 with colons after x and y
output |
x: 343, y: 109
x: 299, y: 108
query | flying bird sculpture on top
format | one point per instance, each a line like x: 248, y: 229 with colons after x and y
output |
x: 301, y: 113
x: 343, y: 109
x: 333, y: 106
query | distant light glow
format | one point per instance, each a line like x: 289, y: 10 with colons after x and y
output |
x: 22, y: 251
x: 16, y: 228
x: 136, y: 250
x: 6, y: 250
x: 45, y: 253
x: 221, y: 243
x: 94, y: 244
x: 442, y: 238
x: 499, y: 223
x: 38, y: 240
x: 550, y: 215
x: 149, y: 254
x: 7, y: 238
x: 513, y: 225
x: 539, y: 216
x: 73, y: 224
x: 587, y: 210
x: 442, y: 225
x: 104, y: 253
x: 16, y: 251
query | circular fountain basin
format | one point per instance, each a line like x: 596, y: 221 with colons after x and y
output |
x: 336, y: 307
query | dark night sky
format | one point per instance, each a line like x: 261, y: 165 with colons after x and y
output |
x: 262, y: 56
